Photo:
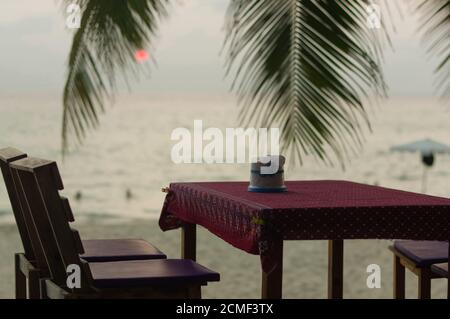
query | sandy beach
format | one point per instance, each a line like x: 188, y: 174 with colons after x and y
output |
x: 305, y: 263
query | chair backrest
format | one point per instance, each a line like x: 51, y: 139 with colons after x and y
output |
x: 40, y: 183
x: 28, y: 235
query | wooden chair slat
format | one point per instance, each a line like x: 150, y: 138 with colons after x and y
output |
x: 7, y: 156
x: 67, y: 209
x: 43, y: 226
x: 38, y: 253
x: 56, y: 215
x: 32, y: 164
x: 10, y: 154
x: 77, y: 240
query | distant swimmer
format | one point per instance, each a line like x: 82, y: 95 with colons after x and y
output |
x: 128, y: 194
x: 78, y: 195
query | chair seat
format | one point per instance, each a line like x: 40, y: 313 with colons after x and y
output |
x: 150, y: 273
x: 423, y: 253
x: 440, y: 269
x: 103, y: 250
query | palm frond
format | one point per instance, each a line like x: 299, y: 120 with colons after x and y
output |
x: 307, y: 67
x: 436, y: 25
x: 102, y: 48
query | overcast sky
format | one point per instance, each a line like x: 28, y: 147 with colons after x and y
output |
x: 35, y: 44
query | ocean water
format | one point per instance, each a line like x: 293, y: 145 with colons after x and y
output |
x: 131, y: 150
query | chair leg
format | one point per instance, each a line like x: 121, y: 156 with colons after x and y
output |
x: 399, y: 279
x: 42, y: 289
x: 34, y: 284
x: 424, y: 283
x: 21, y: 280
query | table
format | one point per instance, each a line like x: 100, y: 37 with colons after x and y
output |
x: 258, y: 223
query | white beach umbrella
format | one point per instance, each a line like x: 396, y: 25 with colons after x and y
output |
x: 427, y: 148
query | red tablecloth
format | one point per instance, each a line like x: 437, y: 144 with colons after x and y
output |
x: 308, y: 210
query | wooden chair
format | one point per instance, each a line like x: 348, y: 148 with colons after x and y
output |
x: 418, y: 257
x: 26, y: 266
x: 39, y: 182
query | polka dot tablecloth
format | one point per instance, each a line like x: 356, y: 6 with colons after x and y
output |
x: 321, y: 210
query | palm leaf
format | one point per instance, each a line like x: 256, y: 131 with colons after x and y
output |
x: 104, y: 45
x: 306, y: 67
x: 436, y: 25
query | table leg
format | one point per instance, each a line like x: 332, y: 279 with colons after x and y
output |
x: 335, y: 269
x: 272, y: 282
x: 399, y: 279
x: 189, y: 241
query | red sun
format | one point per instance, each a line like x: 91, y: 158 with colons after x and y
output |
x: 141, y: 56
